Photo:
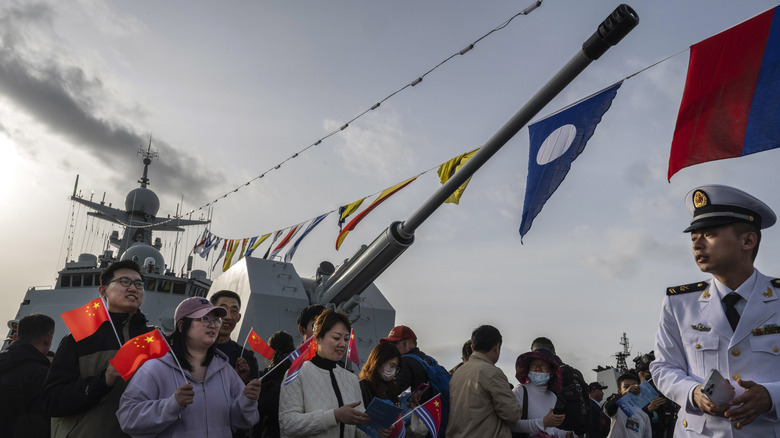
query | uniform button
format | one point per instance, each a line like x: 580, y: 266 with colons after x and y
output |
x: 735, y: 352
x: 735, y: 377
x: 738, y: 426
x: 698, y: 346
x: 775, y: 349
x: 685, y: 423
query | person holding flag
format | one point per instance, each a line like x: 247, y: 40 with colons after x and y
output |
x: 324, y: 399
x: 82, y: 390
x: 212, y: 400
x: 271, y: 380
x: 377, y: 377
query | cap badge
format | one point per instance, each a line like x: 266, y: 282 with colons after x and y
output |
x: 700, y: 199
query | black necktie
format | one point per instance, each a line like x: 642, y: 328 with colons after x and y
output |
x: 731, y: 312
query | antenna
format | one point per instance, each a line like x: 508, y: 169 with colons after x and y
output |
x: 622, y: 355
x: 148, y: 154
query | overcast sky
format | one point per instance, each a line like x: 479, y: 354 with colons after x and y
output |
x: 228, y: 90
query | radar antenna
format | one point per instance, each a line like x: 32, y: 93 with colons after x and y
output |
x: 148, y: 154
x: 622, y: 355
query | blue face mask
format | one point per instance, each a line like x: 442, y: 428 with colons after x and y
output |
x: 539, y: 379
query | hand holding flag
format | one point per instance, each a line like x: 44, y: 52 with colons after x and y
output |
x: 85, y: 320
x: 430, y: 414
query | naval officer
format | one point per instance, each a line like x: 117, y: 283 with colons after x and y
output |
x: 729, y: 322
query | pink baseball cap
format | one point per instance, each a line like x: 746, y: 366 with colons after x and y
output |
x: 197, y: 307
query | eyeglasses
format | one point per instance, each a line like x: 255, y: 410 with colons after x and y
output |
x: 209, y: 320
x: 126, y: 282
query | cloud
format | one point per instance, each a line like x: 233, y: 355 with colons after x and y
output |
x: 374, y: 145
x: 76, y: 105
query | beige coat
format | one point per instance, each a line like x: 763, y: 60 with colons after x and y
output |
x: 481, y: 401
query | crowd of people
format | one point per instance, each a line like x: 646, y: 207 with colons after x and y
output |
x: 712, y: 334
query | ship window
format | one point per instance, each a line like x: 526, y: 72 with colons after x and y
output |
x: 88, y: 280
x: 165, y: 286
x: 149, y: 284
x: 179, y: 288
x: 65, y: 281
x: 76, y: 281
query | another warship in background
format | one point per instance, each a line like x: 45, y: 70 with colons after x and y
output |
x: 272, y: 292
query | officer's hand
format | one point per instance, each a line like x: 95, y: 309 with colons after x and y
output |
x: 242, y: 368
x: 656, y: 403
x: 252, y: 390
x: 184, y: 395
x: 552, y: 420
x: 706, y: 404
x: 755, y: 401
x: 111, y: 375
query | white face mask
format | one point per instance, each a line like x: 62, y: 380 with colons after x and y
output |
x: 388, y: 372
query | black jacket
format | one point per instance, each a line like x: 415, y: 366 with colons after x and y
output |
x: 23, y: 369
x: 268, y: 403
x: 412, y: 374
x: 75, y: 391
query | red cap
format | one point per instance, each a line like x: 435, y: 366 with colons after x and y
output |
x: 398, y: 333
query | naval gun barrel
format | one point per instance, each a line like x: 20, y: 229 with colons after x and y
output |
x: 356, y: 274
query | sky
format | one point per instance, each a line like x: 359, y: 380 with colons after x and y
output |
x: 229, y: 90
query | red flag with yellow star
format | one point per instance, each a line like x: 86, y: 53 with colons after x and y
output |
x: 85, y: 320
x: 430, y: 414
x: 138, y: 350
x: 259, y: 345
x: 352, y: 353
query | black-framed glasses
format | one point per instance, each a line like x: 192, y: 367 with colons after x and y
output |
x: 209, y: 320
x: 126, y: 282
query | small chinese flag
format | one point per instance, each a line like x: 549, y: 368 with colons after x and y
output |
x: 352, y: 353
x: 258, y: 344
x: 138, y: 350
x: 85, y: 320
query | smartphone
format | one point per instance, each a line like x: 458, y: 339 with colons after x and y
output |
x: 717, y: 389
x: 418, y: 392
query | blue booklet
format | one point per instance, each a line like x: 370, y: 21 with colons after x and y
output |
x: 383, y: 414
x: 631, y: 403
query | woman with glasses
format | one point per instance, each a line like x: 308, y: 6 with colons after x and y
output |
x: 324, y: 400
x: 540, y: 380
x: 212, y: 401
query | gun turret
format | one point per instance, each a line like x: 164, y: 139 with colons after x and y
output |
x: 360, y: 270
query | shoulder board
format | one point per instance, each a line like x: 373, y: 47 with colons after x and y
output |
x: 687, y: 288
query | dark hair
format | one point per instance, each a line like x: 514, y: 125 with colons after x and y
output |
x: 327, y: 319
x: 467, y: 349
x: 542, y: 342
x: 282, y: 343
x: 741, y: 228
x: 380, y: 355
x: 627, y: 376
x: 226, y: 294
x: 33, y: 328
x: 108, y: 274
x: 309, y: 313
x: 178, y: 342
x: 485, y: 337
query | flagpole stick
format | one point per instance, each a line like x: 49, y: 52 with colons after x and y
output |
x: 406, y: 415
x: 245, y: 339
x: 272, y: 369
x: 174, y: 355
x: 105, y: 307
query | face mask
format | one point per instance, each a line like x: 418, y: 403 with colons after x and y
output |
x: 539, y: 379
x: 389, y: 372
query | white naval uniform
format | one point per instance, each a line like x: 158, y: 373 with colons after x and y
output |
x: 694, y: 336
